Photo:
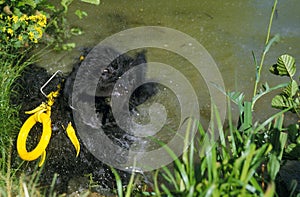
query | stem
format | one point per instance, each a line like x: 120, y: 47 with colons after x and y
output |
x: 265, y: 49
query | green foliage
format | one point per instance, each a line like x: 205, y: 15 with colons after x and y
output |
x: 80, y: 14
x: 10, y: 184
x: 285, y: 66
x: 19, y: 31
x: 27, y: 22
x: 96, y: 2
x: 227, y: 167
x: 289, y: 98
x: 265, y: 90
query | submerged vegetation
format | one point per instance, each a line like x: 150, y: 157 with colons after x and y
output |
x: 244, y: 161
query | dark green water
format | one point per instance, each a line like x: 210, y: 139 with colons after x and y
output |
x: 229, y: 30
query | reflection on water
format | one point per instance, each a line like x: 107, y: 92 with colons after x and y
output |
x: 230, y: 30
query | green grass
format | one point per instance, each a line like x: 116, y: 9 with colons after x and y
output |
x: 11, y: 181
x: 233, y: 165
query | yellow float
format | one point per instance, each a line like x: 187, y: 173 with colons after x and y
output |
x: 42, y: 114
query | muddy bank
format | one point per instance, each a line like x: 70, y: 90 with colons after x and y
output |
x: 76, y: 173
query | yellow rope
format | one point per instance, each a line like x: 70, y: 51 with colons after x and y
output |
x: 42, y: 114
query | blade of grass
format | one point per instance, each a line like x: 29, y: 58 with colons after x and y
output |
x: 232, y: 140
x: 156, y: 188
x: 130, y: 185
x: 256, y: 185
x: 170, y: 178
x: 166, y: 190
x: 52, y: 185
x: 185, y: 155
x: 247, y: 163
x: 180, y: 166
x: 266, y: 122
x: 118, y: 182
x: 267, y: 46
x: 221, y: 132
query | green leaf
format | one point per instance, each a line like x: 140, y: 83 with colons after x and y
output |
x: 236, y: 97
x: 291, y: 89
x: 80, y: 14
x: 266, y: 90
x: 276, y: 38
x: 27, y: 2
x: 95, y: 2
x: 293, y: 151
x: 68, y: 46
x: 50, y: 7
x: 65, y: 4
x: 293, y: 132
x: 273, y: 166
x: 280, y: 102
x: 247, y: 121
x: 290, y: 147
x: 285, y: 66
x: 76, y: 31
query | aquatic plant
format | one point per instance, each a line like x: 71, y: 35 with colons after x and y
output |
x: 289, y: 98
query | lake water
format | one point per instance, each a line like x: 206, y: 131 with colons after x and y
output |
x: 229, y: 30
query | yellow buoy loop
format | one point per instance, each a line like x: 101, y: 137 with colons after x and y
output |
x: 42, y: 114
x: 43, y: 158
x: 39, y: 150
x: 72, y: 136
x: 42, y: 107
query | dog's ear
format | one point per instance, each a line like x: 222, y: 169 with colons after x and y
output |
x: 140, y: 58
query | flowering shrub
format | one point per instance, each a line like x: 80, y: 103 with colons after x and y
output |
x: 23, y: 23
x: 20, y: 30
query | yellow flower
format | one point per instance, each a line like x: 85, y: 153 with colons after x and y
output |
x: 23, y: 17
x: 1, y: 16
x: 10, y: 31
x: 39, y: 30
x: 42, y: 20
x: 15, y: 18
x: 3, y: 29
x: 32, y: 18
x: 31, y: 35
x: 41, y: 23
x: 20, y: 37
